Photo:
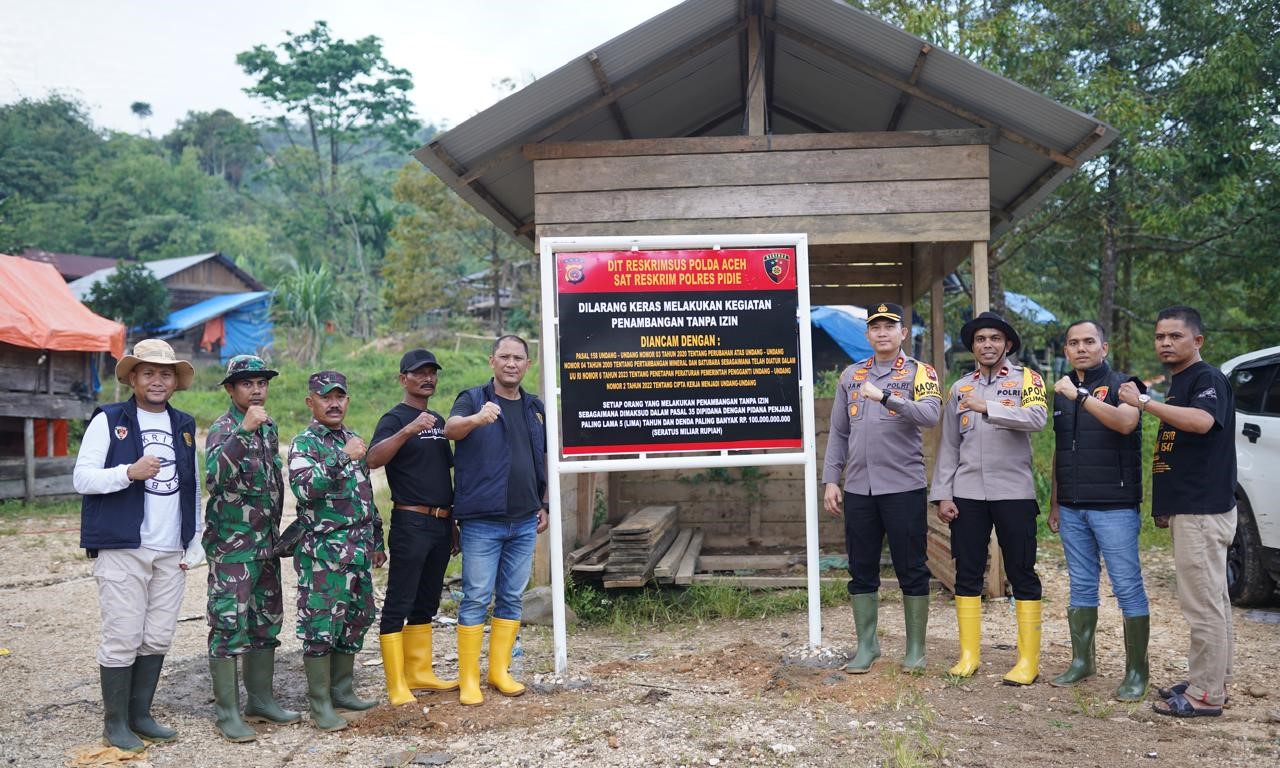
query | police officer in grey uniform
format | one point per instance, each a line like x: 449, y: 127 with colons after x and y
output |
x: 983, y: 479
x: 881, y: 408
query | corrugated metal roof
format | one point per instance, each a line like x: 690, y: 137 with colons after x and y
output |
x: 162, y: 269
x: 665, y: 91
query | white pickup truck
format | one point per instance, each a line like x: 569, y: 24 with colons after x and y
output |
x: 1253, y: 561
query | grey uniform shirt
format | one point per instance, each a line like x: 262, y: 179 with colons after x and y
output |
x: 987, y: 457
x: 878, y: 449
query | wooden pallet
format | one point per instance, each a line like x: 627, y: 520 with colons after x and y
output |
x: 637, y: 544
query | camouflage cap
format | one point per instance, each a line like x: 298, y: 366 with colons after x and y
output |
x: 324, y: 382
x: 247, y: 367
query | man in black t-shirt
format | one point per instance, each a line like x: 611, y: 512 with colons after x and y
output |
x: 1193, y: 477
x: 409, y: 440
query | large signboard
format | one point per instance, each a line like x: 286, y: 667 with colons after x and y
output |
x: 678, y: 350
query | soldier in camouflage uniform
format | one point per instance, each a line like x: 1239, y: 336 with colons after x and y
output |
x: 242, y: 523
x: 341, y: 538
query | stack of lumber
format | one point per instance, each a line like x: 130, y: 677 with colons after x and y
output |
x: 636, y: 544
x: 590, y: 557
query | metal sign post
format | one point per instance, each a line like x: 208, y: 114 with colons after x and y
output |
x: 677, y: 352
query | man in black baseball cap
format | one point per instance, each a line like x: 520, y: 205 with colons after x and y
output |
x: 409, y: 441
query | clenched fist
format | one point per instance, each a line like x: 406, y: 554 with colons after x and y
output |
x: 354, y: 448
x: 144, y: 468
x: 424, y: 422
x: 488, y: 413
x: 1066, y: 387
x: 974, y: 402
x: 254, y: 417
x: 871, y: 391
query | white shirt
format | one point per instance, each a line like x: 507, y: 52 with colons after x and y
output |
x: 162, y: 512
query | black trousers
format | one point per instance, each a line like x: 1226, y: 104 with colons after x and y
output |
x: 1015, y: 524
x: 867, y: 519
x: 420, y: 547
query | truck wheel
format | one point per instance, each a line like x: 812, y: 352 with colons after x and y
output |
x: 1247, y: 579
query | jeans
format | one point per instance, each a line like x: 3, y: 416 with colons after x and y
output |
x: 1113, y: 534
x: 496, y: 560
x: 419, y: 547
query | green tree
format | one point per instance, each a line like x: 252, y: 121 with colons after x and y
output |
x: 309, y: 301
x: 226, y: 146
x: 131, y: 295
x: 339, y: 104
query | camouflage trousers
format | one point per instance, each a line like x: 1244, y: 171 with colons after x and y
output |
x: 335, y: 605
x: 246, y: 607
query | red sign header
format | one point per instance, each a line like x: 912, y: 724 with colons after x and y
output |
x: 729, y: 269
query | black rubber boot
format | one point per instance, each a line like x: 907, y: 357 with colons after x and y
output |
x: 146, y: 676
x: 342, y: 689
x: 260, y: 703
x: 322, y: 714
x: 1084, y: 624
x: 1137, y: 630
x: 226, y: 701
x: 116, y: 682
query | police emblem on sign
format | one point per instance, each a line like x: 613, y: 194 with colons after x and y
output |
x: 573, y: 271
x: 777, y: 266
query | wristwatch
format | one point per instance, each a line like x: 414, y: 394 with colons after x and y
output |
x: 1143, y: 399
x: 1082, y: 394
x: 884, y: 399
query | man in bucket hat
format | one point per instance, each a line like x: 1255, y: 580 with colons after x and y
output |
x: 983, y: 479
x: 341, y: 538
x: 242, y: 522
x: 139, y: 521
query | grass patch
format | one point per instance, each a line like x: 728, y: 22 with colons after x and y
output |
x: 626, y: 609
x: 14, y: 509
x: 1092, y: 706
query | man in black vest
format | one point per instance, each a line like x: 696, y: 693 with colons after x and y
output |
x: 1097, y: 488
x: 139, y: 520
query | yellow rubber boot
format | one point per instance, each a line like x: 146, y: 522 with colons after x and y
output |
x: 417, y: 660
x: 1027, y: 669
x: 392, y: 645
x: 470, y: 638
x: 969, y: 620
x: 502, y: 636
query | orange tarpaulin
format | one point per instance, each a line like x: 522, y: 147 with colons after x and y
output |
x: 38, y: 310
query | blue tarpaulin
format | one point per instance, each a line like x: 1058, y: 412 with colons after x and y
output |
x: 246, y: 317
x: 845, y: 327
x: 1028, y: 308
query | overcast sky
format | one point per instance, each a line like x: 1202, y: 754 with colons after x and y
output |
x: 179, y: 56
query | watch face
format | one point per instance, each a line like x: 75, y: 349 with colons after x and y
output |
x: 1144, y: 398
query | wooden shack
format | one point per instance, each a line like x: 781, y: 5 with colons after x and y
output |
x: 48, y: 345
x: 899, y: 161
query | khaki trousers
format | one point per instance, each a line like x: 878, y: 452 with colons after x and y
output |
x: 139, y: 594
x: 1200, y: 558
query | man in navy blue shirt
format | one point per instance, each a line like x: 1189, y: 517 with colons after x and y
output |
x: 500, y: 478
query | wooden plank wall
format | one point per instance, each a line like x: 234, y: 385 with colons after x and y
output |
x: 21, y: 370
x: 837, y: 194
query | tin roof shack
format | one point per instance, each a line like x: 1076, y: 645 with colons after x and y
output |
x: 48, y: 342
x: 899, y: 161
x: 225, y: 295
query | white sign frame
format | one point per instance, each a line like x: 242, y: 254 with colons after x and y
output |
x: 556, y: 466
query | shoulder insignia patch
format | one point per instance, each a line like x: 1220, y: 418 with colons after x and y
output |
x: 1102, y: 392
x: 122, y: 432
x: 186, y: 438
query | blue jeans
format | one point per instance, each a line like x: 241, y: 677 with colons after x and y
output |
x: 496, y: 560
x: 1113, y: 534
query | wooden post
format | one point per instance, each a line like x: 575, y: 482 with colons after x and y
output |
x: 981, y: 278
x: 907, y: 294
x: 937, y: 328
x: 755, y: 79
x: 29, y: 456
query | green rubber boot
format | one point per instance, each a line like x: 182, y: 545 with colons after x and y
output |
x: 866, y: 609
x: 116, y: 682
x: 226, y: 701
x: 146, y: 676
x: 259, y: 675
x: 322, y: 713
x: 342, y: 689
x: 1137, y: 630
x: 1083, y: 623
x: 915, y: 612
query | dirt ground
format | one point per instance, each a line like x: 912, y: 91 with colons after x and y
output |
x: 724, y: 693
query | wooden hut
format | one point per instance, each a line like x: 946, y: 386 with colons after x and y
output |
x: 48, y: 342
x: 898, y: 159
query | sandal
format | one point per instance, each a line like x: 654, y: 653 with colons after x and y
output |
x: 1180, y: 706
x: 1177, y: 689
